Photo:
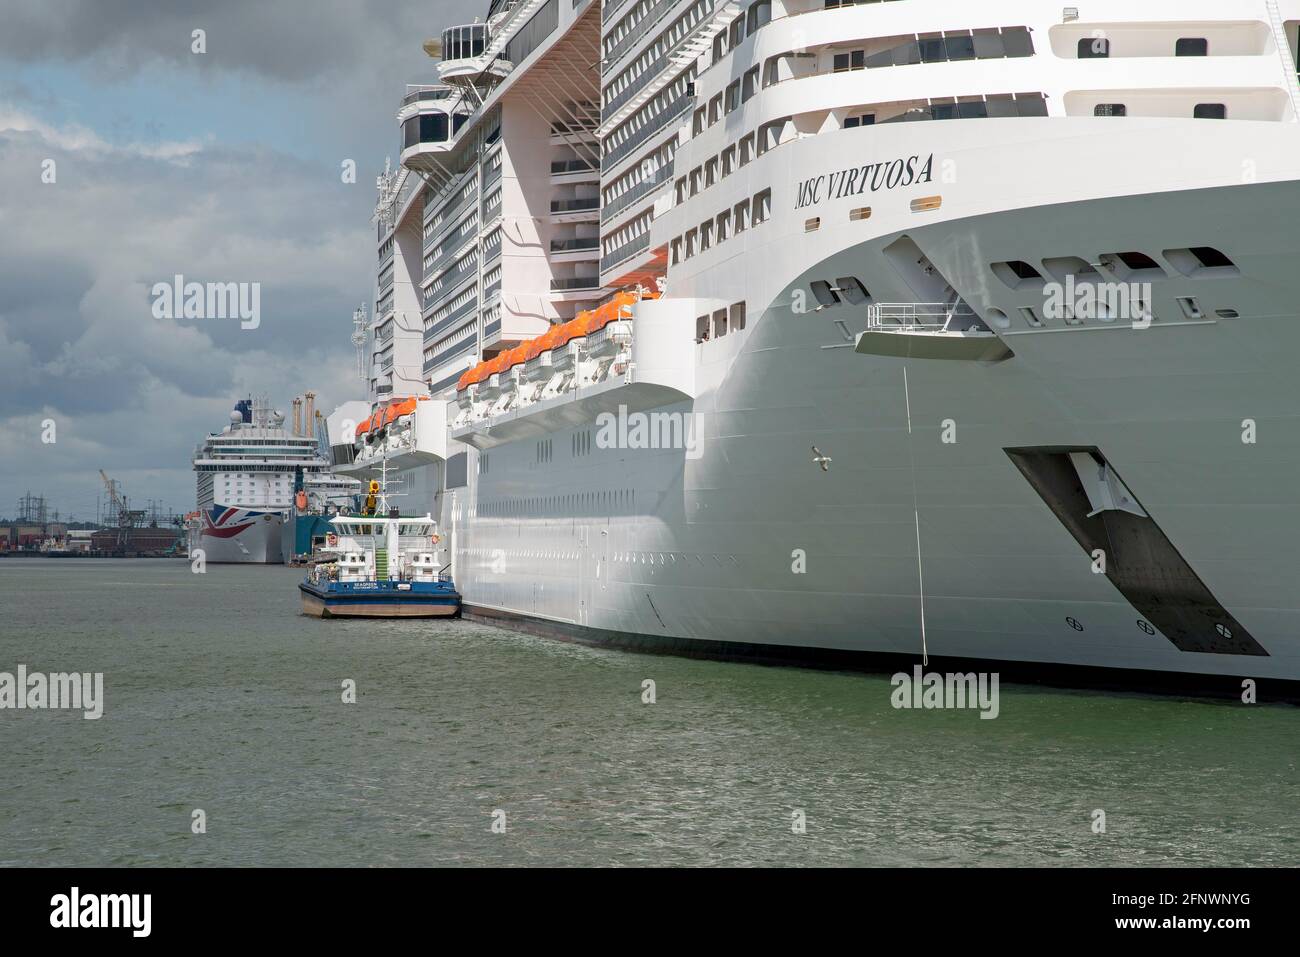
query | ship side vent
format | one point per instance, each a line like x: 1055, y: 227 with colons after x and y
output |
x: 1088, y: 497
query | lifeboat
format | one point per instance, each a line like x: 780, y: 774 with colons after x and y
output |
x: 584, y: 324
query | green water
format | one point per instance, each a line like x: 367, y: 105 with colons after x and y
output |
x: 221, y: 696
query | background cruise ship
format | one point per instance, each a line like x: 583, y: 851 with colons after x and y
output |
x: 247, y: 476
x: 828, y: 242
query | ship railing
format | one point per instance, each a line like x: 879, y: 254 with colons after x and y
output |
x: 921, y: 317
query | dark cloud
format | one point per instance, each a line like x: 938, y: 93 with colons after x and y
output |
x: 290, y: 40
x: 78, y: 342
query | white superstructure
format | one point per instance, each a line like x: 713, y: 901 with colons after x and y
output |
x: 245, y: 477
x: 953, y: 328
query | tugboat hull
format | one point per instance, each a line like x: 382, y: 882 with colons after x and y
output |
x: 380, y: 600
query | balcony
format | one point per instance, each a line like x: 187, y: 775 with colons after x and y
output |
x: 574, y: 171
x: 572, y: 166
x: 630, y: 196
x: 625, y: 252
x: 575, y: 245
x: 655, y: 127
x: 585, y: 209
x: 575, y: 283
x: 574, y: 205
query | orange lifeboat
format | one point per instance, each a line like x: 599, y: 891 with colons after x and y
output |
x: 585, y: 323
x: 386, y: 416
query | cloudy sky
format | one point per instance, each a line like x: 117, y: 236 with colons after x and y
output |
x: 223, y: 166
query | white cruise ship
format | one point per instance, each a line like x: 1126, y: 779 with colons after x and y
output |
x: 815, y: 328
x: 246, y: 476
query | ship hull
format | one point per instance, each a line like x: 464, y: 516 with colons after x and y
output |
x: 375, y: 601
x: 922, y: 534
x: 234, y: 536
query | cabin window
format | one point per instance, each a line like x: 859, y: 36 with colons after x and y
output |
x: 746, y: 148
x: 736, y: 32
x: 715, y: 109
x: 677, y: 250
x: 706, y: 235
x: 1191, y: 309
x: 724, y: 225
x: 865, y: 119
x: 760, y: 14
x: 733, y: 96
x: 741, y: 214
x: 1110, y: 109
x: 1210, y: 111
x: 690, y: 243
x: 719, y: 323
x: 728, y: 161
x: 1192, y: 46
x: 737, y: 316
x: 701, y: 328
x: 812, y: 225
x: 749, y: 85
x: 859, y: 214
x: 1031, y: 317
x: 853, y: 60
x: 710, y: 172
x: 697, y: 124
x: 696, y: 175
x: 762, y: 206
x: 1094, y: 48
x: 680, y: 189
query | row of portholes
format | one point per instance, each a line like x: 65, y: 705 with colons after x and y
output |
x: 622, y: 500
x: 1106, y: 312
x: 1194, y: 262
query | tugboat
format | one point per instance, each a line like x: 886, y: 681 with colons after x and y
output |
x: 385, y: 566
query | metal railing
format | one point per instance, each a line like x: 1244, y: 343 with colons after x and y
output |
x: 575, y: 245
x: 923, y: 317
x: 628, y: 197
x: 638, y: 32
x: 580, y: 205
x: 450, y: 218
x: 573, y: 166
x: 576, y: 282
x: 610, y: 9
x: 447, y: 322
x: 625, y: 252
x: 674, y: 110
